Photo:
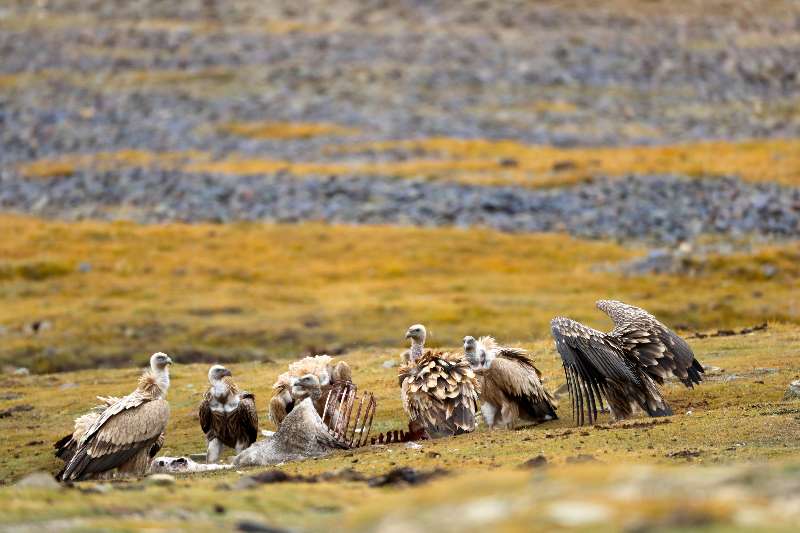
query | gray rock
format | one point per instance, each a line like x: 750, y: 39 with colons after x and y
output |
x: 39, y: 480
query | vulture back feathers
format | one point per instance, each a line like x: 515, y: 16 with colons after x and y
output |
x: 123, y: 436
x: 439, y: 391
x: 623, y: 367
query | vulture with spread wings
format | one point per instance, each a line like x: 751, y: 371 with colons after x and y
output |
x: 623, y: 367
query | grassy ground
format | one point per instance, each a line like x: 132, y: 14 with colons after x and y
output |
x: 701, y: 464
x: 107, y: 293
x: 476, y: 162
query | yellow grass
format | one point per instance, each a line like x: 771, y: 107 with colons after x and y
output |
x: 284, y: 130
x: 481, y: 161
x: 246, y: 291
x: 478, y: 162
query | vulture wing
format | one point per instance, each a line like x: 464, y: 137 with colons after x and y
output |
x: 124, y: 429
x: 66, y: 446
x: 519, y: 379
x: 590, y: 358
x: 204, y: 412
x: 659, y: 350
x: 246, y: 416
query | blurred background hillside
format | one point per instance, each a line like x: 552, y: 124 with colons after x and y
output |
x: 504, y: 162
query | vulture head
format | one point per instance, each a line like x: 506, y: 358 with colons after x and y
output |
x: 417, y: 334
x: 159, y: 361
x: 475, y: 353
x: 305, y: 387
x: 216, y: 373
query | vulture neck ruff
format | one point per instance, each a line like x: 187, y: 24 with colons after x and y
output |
x: 224, y: 395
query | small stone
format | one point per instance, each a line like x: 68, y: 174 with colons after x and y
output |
x: 97, y: 488
x: 413, y: 446
x: 85, y: 267
x: 22, y: 371
x: 389, y: 364
x: 574, y: 513
x: 66, y: 386
x: 257, y: 527
x: 39, y: 480
x: 535, y: 462
x: 161, y: 480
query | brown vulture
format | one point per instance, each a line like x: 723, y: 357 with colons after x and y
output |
x: 438, y: 389
x: 228, y: 416
x: 623, y: 367
x: 122, y: 438
x: 511, y: 389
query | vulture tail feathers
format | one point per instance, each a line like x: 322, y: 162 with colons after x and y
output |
x: 63, y: 449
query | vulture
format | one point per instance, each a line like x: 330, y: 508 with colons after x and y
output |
x: 623, y: 367
x: 66, y: 446
x: 321, y: 366
x: 228, y: 416
x: 511, y: 389
x: 124, y: 437
x: 439, y: 390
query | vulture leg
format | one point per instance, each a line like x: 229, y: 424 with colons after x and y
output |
x: 489, y: 412
x: 241, y: 445
x: 214, y: 451
x: 508, y: 413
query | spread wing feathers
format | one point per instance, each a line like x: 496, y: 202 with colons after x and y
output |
x: 597, y: 368
x: 589, y: 359
x: 440, y: 391
x: 659, y: 350
x: 520, y: 381
x: 128, y: 427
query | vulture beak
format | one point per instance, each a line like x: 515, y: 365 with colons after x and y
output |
x: 169, y: 360
x: 226, y: 372
x: 408, y: 335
